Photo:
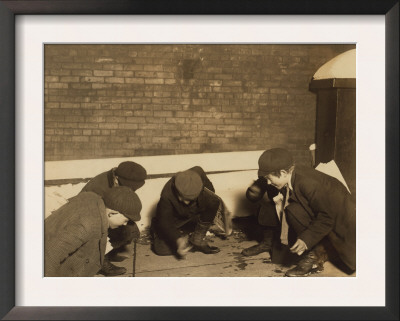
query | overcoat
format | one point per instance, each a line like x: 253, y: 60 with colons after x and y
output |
x: 171, y: 214
x: 75, y: 237
x: 101, y: 184
x: 330, y: 211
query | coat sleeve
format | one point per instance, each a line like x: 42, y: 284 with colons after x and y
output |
x: 166, y: 220
x: 66, y: 243
x: 323, y: 220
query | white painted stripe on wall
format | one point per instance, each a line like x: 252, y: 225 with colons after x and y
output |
x: 155, y: 165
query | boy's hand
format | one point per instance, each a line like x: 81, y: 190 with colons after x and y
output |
x: 183, y: 246
x: 299, y: 247
x: 254, y: 190
x: 254, y: 193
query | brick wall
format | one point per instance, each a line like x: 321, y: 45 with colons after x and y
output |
x: 138, y: 100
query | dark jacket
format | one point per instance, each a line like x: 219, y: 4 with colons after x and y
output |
x: 75, y: 237
x: 330, y: 208
x: 171, y: 214
x: 100, y: 184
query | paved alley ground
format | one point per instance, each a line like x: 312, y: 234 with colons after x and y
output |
x: 227, y: 263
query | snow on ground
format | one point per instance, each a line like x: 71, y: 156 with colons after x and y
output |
x: 56, y: 196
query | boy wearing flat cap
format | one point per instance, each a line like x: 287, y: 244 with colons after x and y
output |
x: 76, y: 233
x: 187, y: 199
x: 318, y: 208
x: 129, y: 174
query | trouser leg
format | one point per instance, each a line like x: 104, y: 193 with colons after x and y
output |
x: 160, y: 245
x: 119, y: 238
x: 313, y: 259
x: 211, y: 205
x: 269, y: 223
x: 267, y: 215
x: 264, y: 246
x: 204, y: 220
x: 297, y: 218
x: 197, y: 239
x: 123, y: 235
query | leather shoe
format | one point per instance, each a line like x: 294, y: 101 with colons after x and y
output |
x: 109, y: 269
x: 256, y: 249
x: 205, y: 248
x: 307, y: 265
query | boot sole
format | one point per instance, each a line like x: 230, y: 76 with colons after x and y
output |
x: 254, y: 254
x: 313, y: 271
x: 105, y: 274
x: 197, y: 250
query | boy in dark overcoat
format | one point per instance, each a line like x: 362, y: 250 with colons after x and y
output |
x: 319, y: 209
x: 187, y: 204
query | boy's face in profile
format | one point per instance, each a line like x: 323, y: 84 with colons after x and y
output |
x: 278, y: 181
x: 116, y: 219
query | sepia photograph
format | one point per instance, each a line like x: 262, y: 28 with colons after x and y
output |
x: 190, y: 165
x: 199, y: 160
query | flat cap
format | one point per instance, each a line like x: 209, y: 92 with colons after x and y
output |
x: 131, y: 174
x: 274, y: 159
x: 125, y: 201
x: 188, y: 184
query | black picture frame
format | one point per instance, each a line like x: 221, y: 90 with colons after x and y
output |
x: 8, y: 11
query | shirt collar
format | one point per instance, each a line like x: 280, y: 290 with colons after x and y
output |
x: 290, y: 181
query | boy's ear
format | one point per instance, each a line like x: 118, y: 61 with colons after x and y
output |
x: 287, y: 171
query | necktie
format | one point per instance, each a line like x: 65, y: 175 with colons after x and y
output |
x: 284, y: 224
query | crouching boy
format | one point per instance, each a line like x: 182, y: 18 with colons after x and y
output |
x: 75, y: 235
x: 319, y: 209
x: 187, y: 204
x: 129, y: 174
